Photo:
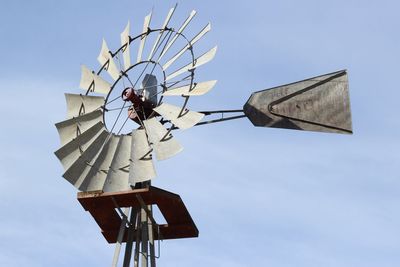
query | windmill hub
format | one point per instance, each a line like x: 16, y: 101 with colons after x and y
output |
x: 141, y: 107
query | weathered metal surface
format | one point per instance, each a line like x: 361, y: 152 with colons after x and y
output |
x: 203, y: 59
x: 118, y: 173
x: 163, y: 143
x: 70, y: 129
x: 69, y: 153
x: 94, y: 83
x: 141, y: 167
x: 98, y: 173
x: 126, y: 44
x: 160, y: 34
x: 182, y: 119
x: 102, y: 207
x: 319, y: 104
x: 146, y: 25
x: 78, y: 105
x: 197, y: 89
x: 81, y: 167
x: 187, y: 47
x: 178, y: 33
x: 106, y: 59
x: 149, y: 86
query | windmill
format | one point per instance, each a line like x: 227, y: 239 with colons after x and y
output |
x: 124, y: 123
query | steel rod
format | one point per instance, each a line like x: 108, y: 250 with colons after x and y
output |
x: 221, y: 111
x: 129, y: 243
x: 144, y: 252
x: 120, y: 238
x: 146, y: 209
x: 151, y: 239
x: 207, y: 113
x: 138, y: 234
x: 220, y: 120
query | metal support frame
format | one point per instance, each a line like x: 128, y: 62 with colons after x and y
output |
x: 216, y: 112
x: 140, y: 221
x: 127, y: 217
x: 222, y: 118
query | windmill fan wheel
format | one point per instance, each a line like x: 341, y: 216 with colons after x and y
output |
x: 130, y: 107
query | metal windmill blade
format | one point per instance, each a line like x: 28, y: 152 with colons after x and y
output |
x: 205, y: 58
x: 93, y: 83
x: 142, y: 166
x: 125, y: 45
x: 188, y: 46
x: 144, y: 35
x: 106, y: 60
x: 160, y: 34
x: 162, y: 142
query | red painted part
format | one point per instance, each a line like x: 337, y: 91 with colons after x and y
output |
x: 102, y: 207
x: 129, y: 95
x: 141, y: 109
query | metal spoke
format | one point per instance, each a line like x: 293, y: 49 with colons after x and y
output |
x: 116, y: 109
x: 172, y: 85
x: 115, y: 99
x: 119, y: 115
x: 121, y: 68
x: 123, y: 125
x: 127, y: 76
x: 147, y: 64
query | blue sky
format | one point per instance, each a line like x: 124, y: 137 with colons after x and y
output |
x: 260, y: 197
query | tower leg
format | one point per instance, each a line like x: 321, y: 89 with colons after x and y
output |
x: 137, y: 242
x: 144, y: 253
x: 151, y: 239
x: 120, y: 237
x: 129, y: 244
